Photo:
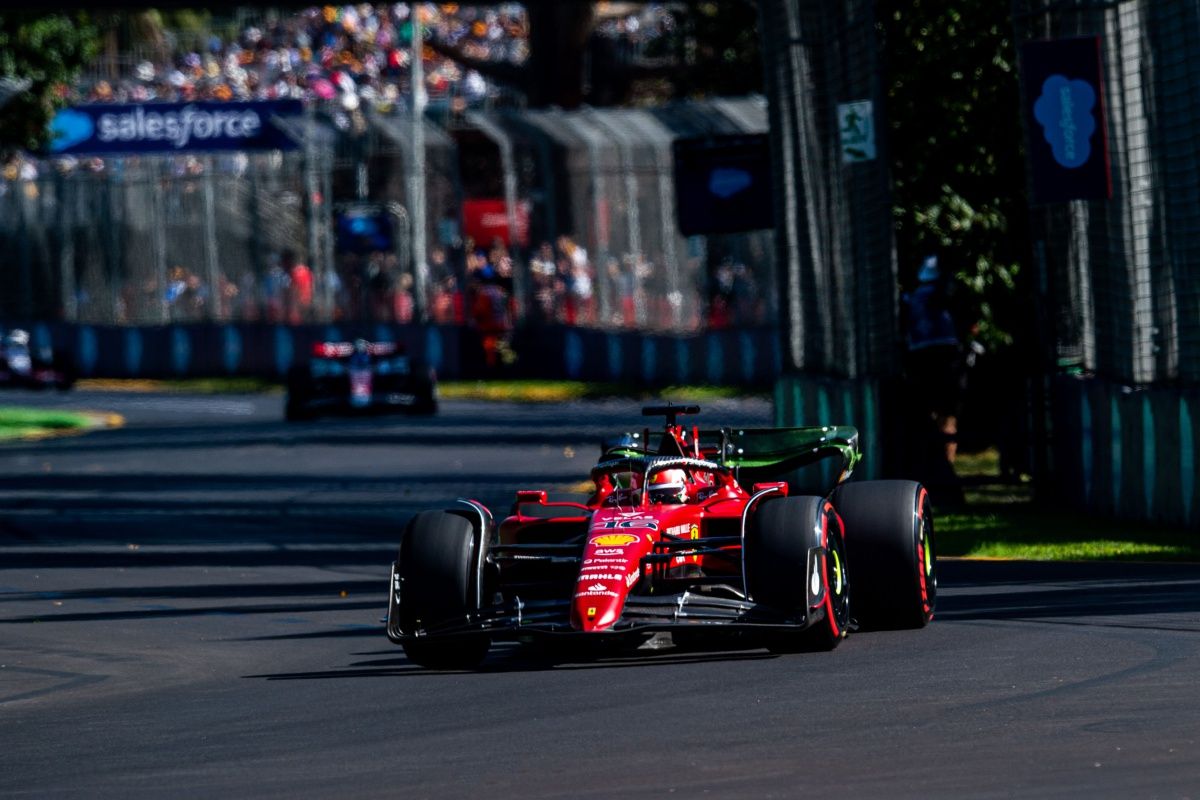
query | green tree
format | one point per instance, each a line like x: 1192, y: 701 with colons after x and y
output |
x: 956, y: 149
x: 48, y: 50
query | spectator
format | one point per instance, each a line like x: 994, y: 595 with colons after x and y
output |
x: 934, y: 368
x: 300, y: 289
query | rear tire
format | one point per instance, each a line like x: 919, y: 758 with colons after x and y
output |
x: 426, y: 402
x: 295, y: 408
x: 295, y: 411
x: 438, y: 562
x: 780, y: 534
x: 890, y: 545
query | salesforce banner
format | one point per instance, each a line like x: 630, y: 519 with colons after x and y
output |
x: 171, y: 127
x: 1068, y: 141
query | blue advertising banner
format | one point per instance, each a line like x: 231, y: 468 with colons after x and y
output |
x: 1068, y: 137
x: 171, y: 127
x: 723, y: 184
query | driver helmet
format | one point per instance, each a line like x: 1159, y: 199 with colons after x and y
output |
x: 669, y: 486
x: 17, y: 338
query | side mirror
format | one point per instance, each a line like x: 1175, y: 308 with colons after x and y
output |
x: 531, y: 496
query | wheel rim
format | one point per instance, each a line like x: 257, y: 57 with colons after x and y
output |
x: 837, y: 582
x: 926, y: 560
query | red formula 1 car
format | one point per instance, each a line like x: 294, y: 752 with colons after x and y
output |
x: 697, y: 533
x: 359, y: 377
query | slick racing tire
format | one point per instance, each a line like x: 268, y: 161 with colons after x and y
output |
x: 889, y: 542
x: 438, y: 563
x: 295, y: 411
x: 295, y: 408
x: 779, y: 536
x: 425, y: 390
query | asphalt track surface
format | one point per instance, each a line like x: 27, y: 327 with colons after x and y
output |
x: 190, y: 606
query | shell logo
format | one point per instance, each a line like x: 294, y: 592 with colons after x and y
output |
x: 614, y: 539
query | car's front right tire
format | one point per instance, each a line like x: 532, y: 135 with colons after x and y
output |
x: 437, y: 562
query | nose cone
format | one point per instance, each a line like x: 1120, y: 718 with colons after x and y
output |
x: 609, y: 570
x: 597, y: 605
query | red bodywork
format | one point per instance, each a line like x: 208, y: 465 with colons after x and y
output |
x: 624, y: 526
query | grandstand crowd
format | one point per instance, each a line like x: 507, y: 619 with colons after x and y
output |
x: 354, y: 54
x: 358, y: 56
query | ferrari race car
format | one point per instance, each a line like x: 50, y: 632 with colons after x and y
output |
x: 25, y: 367
x: 707, y: 535
x: 361, y: 376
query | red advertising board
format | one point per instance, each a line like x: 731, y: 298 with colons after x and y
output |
x: 485, y: 219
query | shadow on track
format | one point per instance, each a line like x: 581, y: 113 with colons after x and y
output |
x: 516, y: 659
x: 1062, y: 591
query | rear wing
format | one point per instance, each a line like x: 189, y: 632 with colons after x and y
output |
x: 346, y: 349
x: 812, y: 460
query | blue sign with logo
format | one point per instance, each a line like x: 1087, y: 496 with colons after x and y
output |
x: 1065, y: 110
x: 1068, y: 147
x: 723, y: 184
x: 171, y: 127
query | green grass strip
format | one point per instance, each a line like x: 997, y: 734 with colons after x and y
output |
x: 21, y: 423
x: 183, y: 385
x: 548, y: 391
x: 515, y: 391
x: 1001, y: 521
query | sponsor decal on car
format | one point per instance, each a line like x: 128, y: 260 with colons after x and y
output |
x: 597, y: 561
x: 601, y: 576
x: 609, y: 551
x: 593, y: 592
x: 629, y: 523
x: 631, y: 578
x: 614, y: 539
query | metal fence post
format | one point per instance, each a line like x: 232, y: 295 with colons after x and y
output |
x: 211, y: 267
x: 417, y: 178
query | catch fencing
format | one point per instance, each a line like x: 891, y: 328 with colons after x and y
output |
x: 157, y: 239
x: 604, y: 180
x: 837, y: 257
x: 837, y: 261
x: 586, y: 201
x: 1120, y: 277
x: 1123, y: 285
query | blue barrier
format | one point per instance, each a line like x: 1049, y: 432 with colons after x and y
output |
x: 747, y: 357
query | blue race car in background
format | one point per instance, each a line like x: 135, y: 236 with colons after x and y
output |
x: 359, y: 377
x: 25, y: 367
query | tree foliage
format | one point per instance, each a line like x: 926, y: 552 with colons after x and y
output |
x: 955, y: 140
x: 717, y: 48
x: 48, y: 50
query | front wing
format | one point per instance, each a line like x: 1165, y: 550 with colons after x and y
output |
x: 518, y: 619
